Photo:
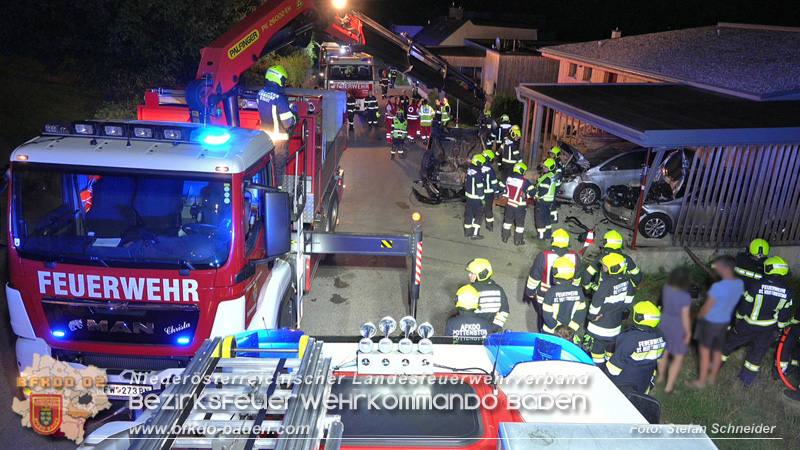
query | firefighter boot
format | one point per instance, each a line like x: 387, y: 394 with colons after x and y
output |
x: 519, y: 238
x: 747, y: 377
x: 489, y: 226
x: 392, y: 155
x: 467, y: 231
x: 505, y: 234
x: 477, y: 235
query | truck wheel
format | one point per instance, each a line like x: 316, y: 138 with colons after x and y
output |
x: 586, y: 194
x: 287, y: 313
x: 655, y: 226
x: 333, y: 214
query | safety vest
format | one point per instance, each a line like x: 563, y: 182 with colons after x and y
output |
x: 550, y: 258
x: 445, y: 113
x: 399, y: 128
x: 517, y: 190
x: 411, y: 113
x: 426, y: 116
x: 546, y: 188
x: 389, y: 111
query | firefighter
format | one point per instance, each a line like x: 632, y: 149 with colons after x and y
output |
x: 351, y: 110
x: 504, y: 128
x: 609, y: 303
x: 564, y: 303
x: 541, y: 272
x: 509, y: 151
x: 517, y: 189
x: 445, y: 112
x: 612, y: 243
x: 412, y: 115
x: 765, y: 311
x: 638, y: 350
x: 425, y: 121
x: 750, y: 264
x: 415, y: 92
x: 392, y: 78
x: 558, y: 176
x: 492, y: 300
x: 399, y: 131
x: 371, y: 105
x: 545, y: 197
x: 474, y: 190
x: 403, y: 100
x: 488, y: 129
x: 384, y: 84
x: 790, y: 356
x: 489, y: 189
x: 389, y: 118
x: 467, y: 326
x: 277, y: 118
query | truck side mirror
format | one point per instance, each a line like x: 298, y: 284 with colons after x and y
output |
x: 277, y: 226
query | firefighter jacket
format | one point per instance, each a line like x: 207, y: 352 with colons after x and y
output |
x: 634, y: 361
x: 558, y: 172
x: 546, y: 188
x: 612, y: 299
x: 426, y: 115
x: 489, y: 179
x: 384, y: 78
x: 517, y: 190
x: 492, y: 303
x: 468, y: 327
x: 371, y: 103
x: 404, y: 102
x: 390, y: 110
x: 564, y: 304
x: 540, y: 276
x: 411, y: 113
x: 277, y: 118
x: 509, y: 153
x: 474, y: 187
x: 768, y: 302
x: 351, y: 105
x: 445, y: 113
x: 503, y: 130
x: 748, y: 269
x: 591, y: 277
x: 489, y: 128
x: 399, y: 128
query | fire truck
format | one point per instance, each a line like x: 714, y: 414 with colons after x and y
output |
x: 348, y: 71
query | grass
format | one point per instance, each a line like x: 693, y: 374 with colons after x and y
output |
x: 727, y: 402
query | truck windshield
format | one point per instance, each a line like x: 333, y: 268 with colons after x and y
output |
x: 121, y: 219
x: 350, y: 72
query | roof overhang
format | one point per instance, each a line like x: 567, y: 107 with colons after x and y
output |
x: 671, y: 115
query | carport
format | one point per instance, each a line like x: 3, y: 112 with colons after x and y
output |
x: 746, y: 165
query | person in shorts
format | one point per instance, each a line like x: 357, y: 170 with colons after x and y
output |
x: 714, y: 319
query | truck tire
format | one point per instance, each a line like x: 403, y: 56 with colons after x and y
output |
x: 333, y: 214
x: 655, y: 226
x: 287, y: 312
x: 586, y: 194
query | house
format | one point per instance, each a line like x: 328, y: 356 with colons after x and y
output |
x: 459, y: 25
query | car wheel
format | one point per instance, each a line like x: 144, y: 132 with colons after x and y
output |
x: 587, y: 194
x: 655, y: 226
x: 333, y: 215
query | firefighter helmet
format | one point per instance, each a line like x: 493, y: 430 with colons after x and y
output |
x: 467, y: 297
x: 504, y: 118
x: 759, y: 247
x: 615, y: 263
x: 564, y: 268
x: 556, y: 150
x: 277, y: 75
x: 478, y: 160
x: 646, y: 314
x: 550, y: 163
x: 488, y: 113
x: 481, y: 267
x: 560, y: 238
x: 520, y: 168
x: 612, y: 239
x: 515, y: 131
x: 776, y: 266
x: 489, y: 155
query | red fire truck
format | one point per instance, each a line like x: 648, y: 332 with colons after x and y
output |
x: 348, y: 71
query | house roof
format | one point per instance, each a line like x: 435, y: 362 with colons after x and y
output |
x: 672, y: 115
x: 438, y: 30
x: 459, y: 50
x: 758, y: 62
x: 522, y: 46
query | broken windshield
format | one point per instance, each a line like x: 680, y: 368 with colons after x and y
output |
x: 121, y: 219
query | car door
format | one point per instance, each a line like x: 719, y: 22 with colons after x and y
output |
x: 622, y: 169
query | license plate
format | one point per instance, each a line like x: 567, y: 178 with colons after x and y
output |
x: 125, y: 391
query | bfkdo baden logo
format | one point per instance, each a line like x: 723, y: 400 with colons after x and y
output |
x: 45, y: 413
x: 60, y: 397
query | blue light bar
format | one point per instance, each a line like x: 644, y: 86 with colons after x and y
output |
x: 59, y: 333
x: 214, y: 137
x: 184, y: 340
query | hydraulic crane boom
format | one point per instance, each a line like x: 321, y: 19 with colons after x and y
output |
x: 278, y: 23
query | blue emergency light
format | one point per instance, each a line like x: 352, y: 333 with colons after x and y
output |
x: 214, y: 136
x: 59, y: 333
x: 184, y: 340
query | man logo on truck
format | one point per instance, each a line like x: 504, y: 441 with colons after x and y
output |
x: 80, y: 285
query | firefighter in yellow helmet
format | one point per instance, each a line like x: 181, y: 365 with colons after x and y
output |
x: 516, y: 190
x: 509, y: 141
x: 564, y: 303
x: 638, y: 350
x: 750, y: 264
x: 467, y: 326
x: 612, y: 243
x: 540, y: 276
x: 766, y: 310
x: 545, y: 200
x: 609, y: 303
x: 490, y: 188
x: 492, y: 300
x: 475, y: 191
x: 277, y: 118
x: 558, y: 176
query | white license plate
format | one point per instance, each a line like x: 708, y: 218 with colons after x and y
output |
x: 125, y: 391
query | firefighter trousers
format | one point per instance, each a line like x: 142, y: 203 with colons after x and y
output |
x: 488, y: 210
x: 543, y: 219
x: 743, y: 333
x: 372, y: 116
x: 602, y: 348
x: 384, y: 90
x: 514, y: 215
x: 398, y: 145
x: 790, y: 355
x: 281, y: 157
x: 473, y: 216
x: 350, y: 118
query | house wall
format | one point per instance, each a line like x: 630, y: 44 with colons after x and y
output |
x: 472, y: 31
x: 571, y: 71
x: 503, y: 72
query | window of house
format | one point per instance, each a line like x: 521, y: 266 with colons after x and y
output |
x: 611, y: 77
x: 573, y: 69
x: 587, y: 74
